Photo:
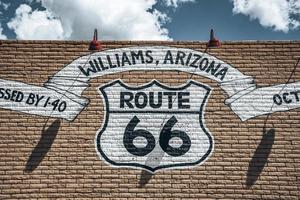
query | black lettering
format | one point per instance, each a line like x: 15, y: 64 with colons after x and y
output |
x: 180, y: 55
x: 295, y: 93
x: 193, y: 64
x: 182, y: 100
x: 212, y: 68
x: 137, y: 56
x: 125, y: 59
x: 222, y: 73
x: 170, y: 98
x: 148, y: 55
x: 188, y: 59
x: 118, y: 59
x: 277, y: 99
x: 159, y: 100
x: 30, y: 99
x: 126, y: 97
x: 169, y: 58
x: 110, y: 63
x: 137, y: 100
x: 201, y: 66
x: 19, y: 97
x: 7, y: 91
x: 2, y: 92
x: 91, y: 69
x: 38, y: 99
x: 46, y: 102
x: 13, y: 95
x: 96, y: 64
x: 285, y: 99
x: 101, y: 64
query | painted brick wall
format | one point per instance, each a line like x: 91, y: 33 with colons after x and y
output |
x: 44, y: 157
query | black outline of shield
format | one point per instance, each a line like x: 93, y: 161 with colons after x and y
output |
x: 136, y: 165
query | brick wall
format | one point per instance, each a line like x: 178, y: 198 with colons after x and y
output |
x: 43, y: 157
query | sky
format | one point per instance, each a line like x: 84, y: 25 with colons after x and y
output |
x: 150, y: 19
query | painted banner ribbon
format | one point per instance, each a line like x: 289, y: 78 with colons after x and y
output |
x: 61, y: 96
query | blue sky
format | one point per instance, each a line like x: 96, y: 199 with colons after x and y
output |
x: 150, y: 19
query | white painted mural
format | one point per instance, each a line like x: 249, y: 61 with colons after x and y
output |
x: 159, y: 126
x: 69, y: 83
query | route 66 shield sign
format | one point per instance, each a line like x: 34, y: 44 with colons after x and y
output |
x: 154, y: 126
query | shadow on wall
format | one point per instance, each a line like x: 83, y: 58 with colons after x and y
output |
x: 144, y: 178
x: 260, y: 157
x: 42, y: 148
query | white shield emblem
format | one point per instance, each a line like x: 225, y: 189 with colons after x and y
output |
x: 154, y: 126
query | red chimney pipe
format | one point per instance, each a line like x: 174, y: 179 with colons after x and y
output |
x: 95, y: 44
x: 213, y: 42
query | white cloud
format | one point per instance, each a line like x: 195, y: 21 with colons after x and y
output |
x: 76, y: 20
x: 281, y: 15
x: 115, y: 19
x: 29, y: 24
x: 2, y: 36
x: 175, y: 3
